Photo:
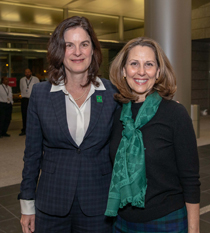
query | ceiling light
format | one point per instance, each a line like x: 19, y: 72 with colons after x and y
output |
x: 8, y: 16
x: 43, y: 19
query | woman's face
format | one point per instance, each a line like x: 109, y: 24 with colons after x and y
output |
x: 79, y: 51
x: 141, y: 70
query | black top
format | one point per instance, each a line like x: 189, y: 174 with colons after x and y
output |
x: 172, y: 165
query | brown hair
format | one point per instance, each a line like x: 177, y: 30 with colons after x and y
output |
x: 166, y: 83
x: 57, y: 47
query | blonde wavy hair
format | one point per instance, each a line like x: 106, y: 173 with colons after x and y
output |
x: 165, y: 85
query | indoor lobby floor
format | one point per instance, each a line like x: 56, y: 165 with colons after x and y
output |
x: 11, y: 164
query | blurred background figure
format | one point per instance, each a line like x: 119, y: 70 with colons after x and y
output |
x: 6, y: 102
x: 26, y: 84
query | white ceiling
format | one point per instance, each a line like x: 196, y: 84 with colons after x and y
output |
x: 128, y: 8
x: 42, y: 16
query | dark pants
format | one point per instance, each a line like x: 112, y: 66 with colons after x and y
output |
x: 75, y: 222
x: 175, y: 222
x: 24, y: 108
x: 5, y: 117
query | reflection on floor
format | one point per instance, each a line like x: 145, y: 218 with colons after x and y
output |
x: 10, y: 177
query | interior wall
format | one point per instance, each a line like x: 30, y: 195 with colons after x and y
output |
x: 201, y: 22
x: 201, y: 74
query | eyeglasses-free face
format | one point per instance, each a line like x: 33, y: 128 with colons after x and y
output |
x: 79, y: 51
x: 141, y: 70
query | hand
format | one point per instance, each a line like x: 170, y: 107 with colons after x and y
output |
x: 28, y: 223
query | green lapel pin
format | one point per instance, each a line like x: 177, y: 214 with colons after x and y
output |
x: 99, y: 99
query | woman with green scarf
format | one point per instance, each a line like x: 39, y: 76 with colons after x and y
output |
x: 155, y: 182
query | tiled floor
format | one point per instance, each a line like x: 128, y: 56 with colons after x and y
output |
x: 204, y: 156
x: 11, y: 153
x: 9, y: 209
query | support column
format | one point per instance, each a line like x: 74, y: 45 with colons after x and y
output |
x: 10, y: 64
x: 121, y: 28
x: 65, y: 13
x: 169, y: 23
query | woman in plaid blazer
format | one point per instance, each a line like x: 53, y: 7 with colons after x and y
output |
x: 67, y: 140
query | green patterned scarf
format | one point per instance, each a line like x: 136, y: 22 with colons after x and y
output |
x: 128, y: 184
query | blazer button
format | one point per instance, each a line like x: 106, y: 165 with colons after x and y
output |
x: 78, y: 151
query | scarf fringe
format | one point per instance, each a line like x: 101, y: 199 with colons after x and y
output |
x: 126, y: 201
x: 138, y: 201
x: 110, y: 213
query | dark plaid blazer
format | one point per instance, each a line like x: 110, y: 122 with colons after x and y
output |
x: 62, y: 167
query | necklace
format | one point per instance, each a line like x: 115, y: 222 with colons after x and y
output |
x: 81, y: 95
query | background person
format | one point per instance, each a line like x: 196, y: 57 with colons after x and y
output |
x: 6, y: 101
x: 26, y: 84
x: 68, y: 132
x: 155, y: 182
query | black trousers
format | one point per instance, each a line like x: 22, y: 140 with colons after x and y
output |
x: 5, y: 117
x: 24, y: 108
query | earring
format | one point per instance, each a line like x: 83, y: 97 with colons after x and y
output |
x: 158, y: 75
x: 124, y: 77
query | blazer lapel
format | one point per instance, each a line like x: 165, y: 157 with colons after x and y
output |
x: 97, y: 102
x: 59, y: 104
